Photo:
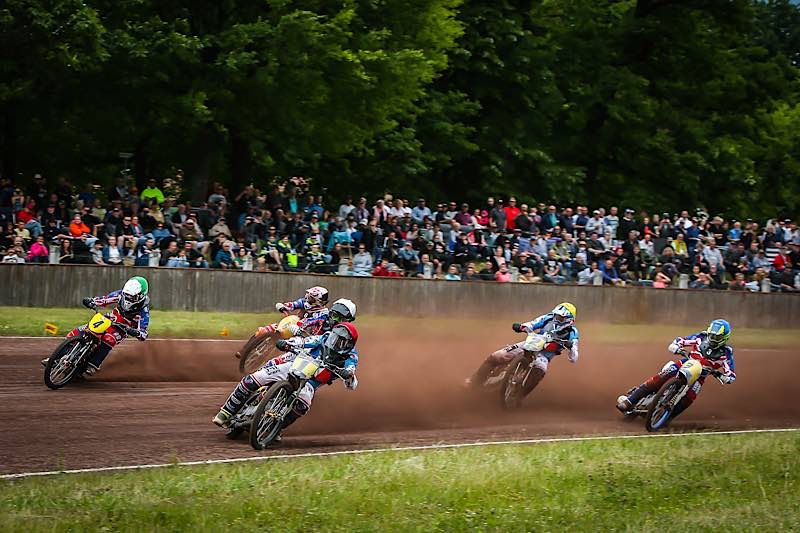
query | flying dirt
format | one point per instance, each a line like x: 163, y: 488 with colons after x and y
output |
x: 153, y: 402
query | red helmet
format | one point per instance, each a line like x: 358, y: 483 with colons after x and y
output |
x: 342, y: 338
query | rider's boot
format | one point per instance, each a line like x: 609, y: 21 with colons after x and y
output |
x: 222, y: 419
x: 291, y: 418
x: 533, y: 380
x: 626, y: 403
x: 97, y: 358
x: 240, y: 394
x: 481, y: 374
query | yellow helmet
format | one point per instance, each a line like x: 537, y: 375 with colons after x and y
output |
x: 566, y: 310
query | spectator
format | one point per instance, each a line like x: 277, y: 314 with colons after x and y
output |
x: 503, y: 275
x: 220, y: 228
x: 512, y: 212
x: 610, y: 274
x: 552, y: 269
x: 224, y: 257
x: 453, y: 273
x: 113, y: 251
x: 38, y: 252
x: 362, y: 261
x: 152, y: 192
x: 409, y: 258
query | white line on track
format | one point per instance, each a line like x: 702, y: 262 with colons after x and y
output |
x: 150, y: 339
x: 395, y: 449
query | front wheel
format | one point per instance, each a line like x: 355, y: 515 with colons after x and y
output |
x: 268, y: 420
x: 660, y: 412
x: 512, y: 392
x: 257, y: 351
x: 64, y: 364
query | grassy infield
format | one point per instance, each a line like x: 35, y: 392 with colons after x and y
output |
x: 741, y: 482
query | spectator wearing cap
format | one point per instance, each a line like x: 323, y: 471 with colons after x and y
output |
x: 627, y: 224
x: 464, y: 218
x: 512, y: 212
x: 498, y: 216
x: 152, y: 192
x: 408, y: 257
x: 596, y: 224
x: 421, y: 212
x: 220, y: 228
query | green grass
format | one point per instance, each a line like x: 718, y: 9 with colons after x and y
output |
x: 30, y: 321
x: 723, y: 482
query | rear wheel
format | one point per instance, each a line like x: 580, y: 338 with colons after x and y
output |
x: 63, y: 366
x: 257, y: 351
x: 659, y: 413
x: 267, y: 421
x: 512, y: 393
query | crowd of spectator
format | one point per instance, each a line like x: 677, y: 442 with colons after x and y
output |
x: 289, y: 229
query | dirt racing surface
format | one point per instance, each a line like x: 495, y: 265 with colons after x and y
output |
x: 153, y: 402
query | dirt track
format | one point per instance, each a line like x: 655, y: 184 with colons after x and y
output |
x: 153, y: 402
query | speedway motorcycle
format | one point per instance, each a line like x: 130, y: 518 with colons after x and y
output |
x: 69, y: 360
x: 658, y: 407
x: 516, y: 379
x: 260, y: 348
x: 278, y: 399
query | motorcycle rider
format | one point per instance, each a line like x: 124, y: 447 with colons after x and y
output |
x: 131, y: 317
x: 336, y: 346
x: 314, y: 312
x: 560, y: 323
x: 710, y: 344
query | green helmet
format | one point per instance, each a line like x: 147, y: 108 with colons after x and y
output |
x: 134, y: 294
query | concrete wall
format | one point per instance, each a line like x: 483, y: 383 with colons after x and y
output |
x: 216, y: 290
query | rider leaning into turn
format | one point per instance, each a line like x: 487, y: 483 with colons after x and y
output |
x: 314, y: 313
x: 338, y: 347
x: 560, y: 323
x: 132, y: 313
x: 711, y: 344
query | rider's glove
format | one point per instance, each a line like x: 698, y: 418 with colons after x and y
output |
x: 675, y: 348
x: 132, y: 332
x: 283, y: 344
x: 279, y: 307
x: 516, y: 326
x: 88, y: 302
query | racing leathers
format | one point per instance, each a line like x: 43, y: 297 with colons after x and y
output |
x: 565, y: 337
x: 695, y: 346
x: 311, y: 320
x: 135, y: 324
x: 277, y: 369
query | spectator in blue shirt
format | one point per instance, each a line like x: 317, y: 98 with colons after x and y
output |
x: 610, y: 275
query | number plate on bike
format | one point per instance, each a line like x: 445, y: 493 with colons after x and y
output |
x: 306, y: 366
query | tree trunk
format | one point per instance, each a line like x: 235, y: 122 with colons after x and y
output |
x: 199, y: 174
x: 8, y: 145
x: 241, y: 161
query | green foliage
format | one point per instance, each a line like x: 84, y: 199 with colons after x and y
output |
x: 706, y: 482
x: 652, y: 103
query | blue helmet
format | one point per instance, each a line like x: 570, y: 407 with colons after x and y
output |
x: 719, y: 331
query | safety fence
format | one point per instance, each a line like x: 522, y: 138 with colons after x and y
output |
x: 44, y: 285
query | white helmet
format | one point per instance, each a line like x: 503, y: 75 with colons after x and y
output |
x: 343, y: 310
x: 134, y: 294
x: 316, y: 297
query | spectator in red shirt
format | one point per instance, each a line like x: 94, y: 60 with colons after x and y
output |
x: 512, y: 212
x: 77, y: 227
x: 782, y: 260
